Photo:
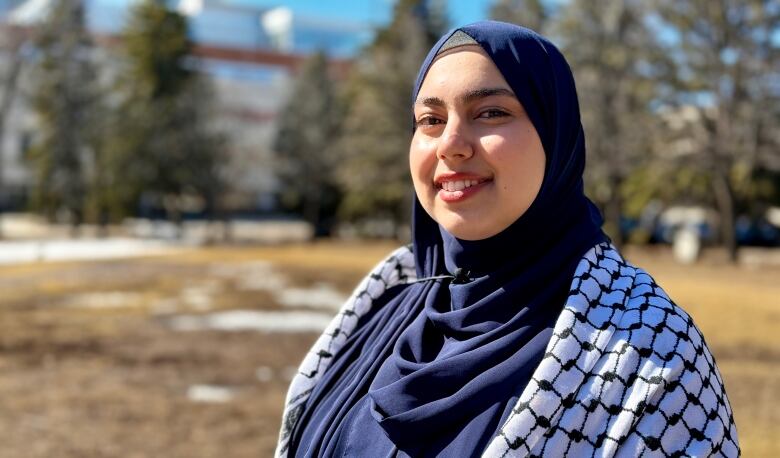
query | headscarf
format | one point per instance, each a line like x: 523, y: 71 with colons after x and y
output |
x: 435, y: 354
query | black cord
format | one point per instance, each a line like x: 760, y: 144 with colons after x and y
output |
x: 461, y: 276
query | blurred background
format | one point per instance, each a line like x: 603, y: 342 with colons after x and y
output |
x: 190, y: 189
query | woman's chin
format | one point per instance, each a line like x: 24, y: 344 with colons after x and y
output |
x: 467, y: 228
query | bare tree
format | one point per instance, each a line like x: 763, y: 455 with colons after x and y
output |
x: 727, y: 63
x: 534, y: 14
x: 617, y: 63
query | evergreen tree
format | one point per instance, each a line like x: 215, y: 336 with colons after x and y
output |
x: 374, y: 146
x: 64, y: 97
x: 165, y: 144
x: 308, y: 128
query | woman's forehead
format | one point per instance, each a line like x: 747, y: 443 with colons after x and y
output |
x: 465, y: 68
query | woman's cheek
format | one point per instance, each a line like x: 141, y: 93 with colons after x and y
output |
x: 422, y: 160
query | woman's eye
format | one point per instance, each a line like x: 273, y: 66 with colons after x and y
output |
x: 490, y: 114
x: 429, y: 121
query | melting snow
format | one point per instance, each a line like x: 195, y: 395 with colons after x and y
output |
x: 264, y: 373
x: 253, y: 320
x: 12, y: 252
x: 322, y: 295
x: 260, y: 276
x: 110, y: 299
x: 210, y: 393
x: 197, y: 298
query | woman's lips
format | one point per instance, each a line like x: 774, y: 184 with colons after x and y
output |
x: 463, y: 194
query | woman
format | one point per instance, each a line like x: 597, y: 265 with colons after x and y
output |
x: 511, y: 327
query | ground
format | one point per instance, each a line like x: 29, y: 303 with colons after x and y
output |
x: 137, y: 357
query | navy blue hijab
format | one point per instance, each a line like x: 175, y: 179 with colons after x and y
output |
x: 437, y: 366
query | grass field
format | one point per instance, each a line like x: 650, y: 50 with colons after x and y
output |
x: 91, y: 366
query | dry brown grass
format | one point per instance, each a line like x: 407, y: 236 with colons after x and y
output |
x: 343, y: 256
x: 112, y: 382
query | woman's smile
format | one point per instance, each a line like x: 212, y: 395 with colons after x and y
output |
x: 456, y: 187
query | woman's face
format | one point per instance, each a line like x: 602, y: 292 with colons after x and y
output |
x: 476, y: 159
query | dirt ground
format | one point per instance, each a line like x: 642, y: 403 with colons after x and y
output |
x: 91, y: 365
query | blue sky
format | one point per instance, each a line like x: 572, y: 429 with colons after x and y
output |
x: 374, y: 11
x: 109, y: 15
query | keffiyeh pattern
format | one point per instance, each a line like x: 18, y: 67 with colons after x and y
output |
x: 626, y: 373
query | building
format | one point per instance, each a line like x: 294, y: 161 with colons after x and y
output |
x: 250, y: 53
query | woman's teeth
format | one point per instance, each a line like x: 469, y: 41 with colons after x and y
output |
x: 459, y: 185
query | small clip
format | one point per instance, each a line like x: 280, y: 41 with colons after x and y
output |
x: 461, y: 276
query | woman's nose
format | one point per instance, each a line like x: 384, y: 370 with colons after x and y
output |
x: 455, y: 142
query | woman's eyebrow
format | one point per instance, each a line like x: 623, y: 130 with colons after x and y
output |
x: 476, y: 94
x: 430, y: 101
x: 468, y: 97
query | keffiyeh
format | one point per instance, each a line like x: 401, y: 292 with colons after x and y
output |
x: 626, y: 373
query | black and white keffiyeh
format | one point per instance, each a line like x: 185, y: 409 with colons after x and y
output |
x: 626, y: 372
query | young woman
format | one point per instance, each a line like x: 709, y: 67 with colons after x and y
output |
x: 511, y: 326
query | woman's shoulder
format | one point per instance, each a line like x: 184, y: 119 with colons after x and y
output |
x: 610, y: 293
x: 627, y: 315
x: 395, y: 269
x: 626, y: 372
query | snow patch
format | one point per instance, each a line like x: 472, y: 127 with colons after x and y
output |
x: 322, y: 295
x: 106, y: 300
x: 252, y: 320
x: 15, y: 252
x: 197, y: 298
x: 210, y: 393
x: 264, y: 373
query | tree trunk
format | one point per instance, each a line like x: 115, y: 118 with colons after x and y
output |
x: 75, y: 223
x: 724, y: 198
x: 102, y: 231
x: 173, y: 213
x: 614, y: 211
x: 311, y: 212
x: 9, y: 90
